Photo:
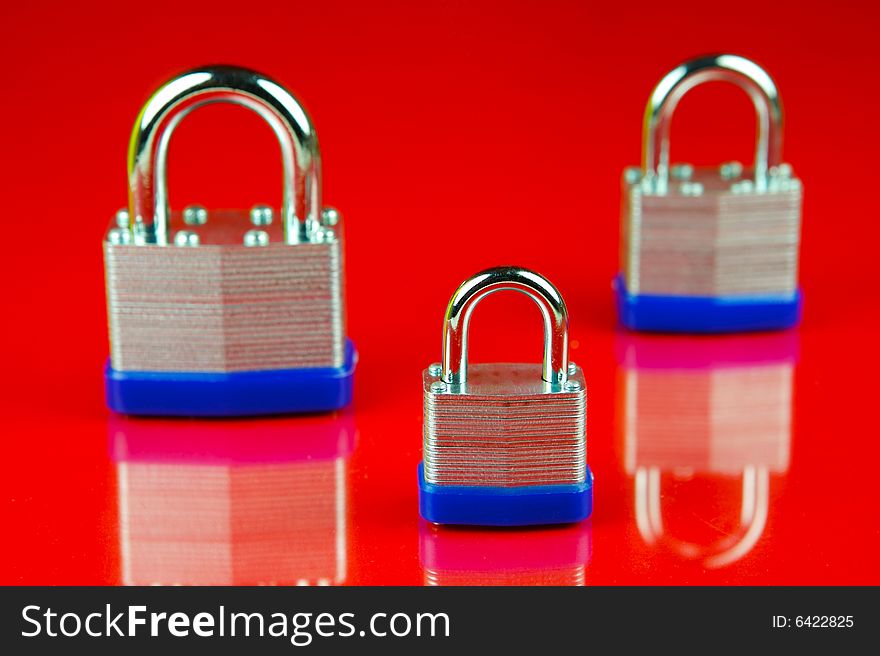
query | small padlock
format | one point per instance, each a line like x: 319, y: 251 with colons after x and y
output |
x: 710, y: 249
x: 211, y: 316
x: 505, y: 444
x: 706, y: 408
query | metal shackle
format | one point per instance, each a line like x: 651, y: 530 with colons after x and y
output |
x: 475, y: 289
x: 148, y: 148
x: 740, y: 71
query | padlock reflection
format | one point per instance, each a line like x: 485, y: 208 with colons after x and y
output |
x: 706, y: 425
x: 558, y: 555
x: 260, y: 502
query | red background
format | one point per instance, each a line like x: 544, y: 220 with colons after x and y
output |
x: 455, y: 136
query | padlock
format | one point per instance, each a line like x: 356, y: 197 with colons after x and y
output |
x: 220, y: 313
x: 505, y: 444
x: 709, y: 409
x: 256, y: 502
x: 710, y: 249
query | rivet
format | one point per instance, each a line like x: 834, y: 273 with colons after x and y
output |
x: 330, y: 216
x: 435, y: 369
x: 186, y: 238
x: 256, y: 238
x: 261, y: 215
x: 195, y: 215
x: 681, y: 171
x: 730, y: 170
x: 438, y: 386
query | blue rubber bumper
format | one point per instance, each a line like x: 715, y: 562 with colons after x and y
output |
x: 706, y: 314
x: 237, y: 394
x: 505, y: 506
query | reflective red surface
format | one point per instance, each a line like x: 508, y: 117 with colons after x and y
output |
x: 454, y: 138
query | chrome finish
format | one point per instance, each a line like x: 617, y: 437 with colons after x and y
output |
x: 729, y: 68
x: 195, y: 215
x: 435, y: 369
x: 458, y: 314
x: 147, y: 157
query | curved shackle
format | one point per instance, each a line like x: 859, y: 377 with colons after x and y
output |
x: 740, y: 71
x: 148, y: 148
x: 478, y: 287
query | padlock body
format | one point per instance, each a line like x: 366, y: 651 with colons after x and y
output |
x: 222, y: 306
x: 723, y: 258
x: 505, y: 448
x: 226, y: 319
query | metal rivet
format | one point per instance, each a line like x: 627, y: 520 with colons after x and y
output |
x: 632, y: 174
x: 438, y: 386
x: 186, y: 238
x: 681, y: 171
x: 572, y: 386
x: 324, y: 236
x: 742, y: 187
x: 730, y: 170
x: 261, y: 215
x: 119, y: 236
x: 195, y: 215
x: 691, y: 189
x: 330, y: 216
x: 435, y: 369
x: 572, y: 368
x: 256, y: 238
x: 122, y: 218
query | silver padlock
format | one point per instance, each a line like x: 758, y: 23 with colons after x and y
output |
x: 226, y: 312
x: 505, y: 444
x: 710, y: 249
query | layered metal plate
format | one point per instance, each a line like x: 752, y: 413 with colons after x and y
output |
x: 224, y: 297
x: 712, y: 234
x: 505, y: 427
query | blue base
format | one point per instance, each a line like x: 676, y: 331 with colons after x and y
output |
x: 505, y: 506
x: 706, y: 314
x: 238, y: 394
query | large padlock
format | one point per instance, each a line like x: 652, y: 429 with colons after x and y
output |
x: 254, y: 502
x: 710, y: 249
x: 707, y: 410
x: 220, y: 313
x: 505, y: 444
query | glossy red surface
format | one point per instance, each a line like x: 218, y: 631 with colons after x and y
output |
x: 454, y: 138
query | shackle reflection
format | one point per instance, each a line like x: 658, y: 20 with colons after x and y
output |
x: 706, y: 424
x: 249, y: 502
x: 556, y: 555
